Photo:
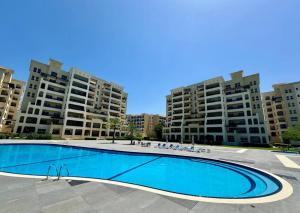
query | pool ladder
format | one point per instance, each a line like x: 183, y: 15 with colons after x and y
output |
x: 64, y: 166
x: 58, y: 171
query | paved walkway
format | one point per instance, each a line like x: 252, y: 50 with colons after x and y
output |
x: 34, y: 195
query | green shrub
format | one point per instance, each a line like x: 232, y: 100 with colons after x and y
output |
x: 14, y: 135
x: 36, y: 136
x: 4, y: 136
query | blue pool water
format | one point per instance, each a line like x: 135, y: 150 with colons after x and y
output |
x: 190, y: 176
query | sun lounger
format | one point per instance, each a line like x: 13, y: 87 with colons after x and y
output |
x: 177, y: 147
x: 162, y: 146
x: 157, y: 146
x: 171, y: 146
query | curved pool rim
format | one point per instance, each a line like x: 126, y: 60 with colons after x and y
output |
x: 284, y: 191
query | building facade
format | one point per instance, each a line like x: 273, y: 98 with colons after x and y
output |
x: 145, y: 123
x: 11, y: 91
x: 217, y: 111
x: 281, y: 109
x: 70, y: 104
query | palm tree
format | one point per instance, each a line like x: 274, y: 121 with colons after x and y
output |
x: 114, y: 123
x: 131, y: 129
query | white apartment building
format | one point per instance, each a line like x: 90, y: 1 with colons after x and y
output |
x: 217, y: 111
x: 11, y: 91
x: 70, y: 104
x: 281, y: 109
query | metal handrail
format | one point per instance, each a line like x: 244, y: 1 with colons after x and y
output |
x: 60, y: 169
x: 49, y: 169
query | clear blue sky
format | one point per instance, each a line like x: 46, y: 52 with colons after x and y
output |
x: 152, y: 46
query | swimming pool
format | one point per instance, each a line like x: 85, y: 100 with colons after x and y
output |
x: 197, y: 177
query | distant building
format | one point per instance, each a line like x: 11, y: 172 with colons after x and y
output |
x: 71, y: 104
x: 282, y: 109
x: 145, y: 123
x: 217, y: 111
x: 11, y: 91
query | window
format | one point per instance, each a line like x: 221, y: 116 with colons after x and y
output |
x: 34, y: 69
x: 255, y: 139
x: 294, y: 118
x: 96, y: 125
x: 249, y: 121
x: 68, y: 132
x: 54, y: 74
x: 31, y: 120
x: 39, y: 70
x: 55, y: 131
x: 78, y: 132
x: 74, y: 123
x: 43, y: 86
x: 254, y: 82
x: 21, y: 119
x: 81, y: 78
x: 30, y: 110
x: 254, y: 130
x: 64, y: 77
x: 76, y: 107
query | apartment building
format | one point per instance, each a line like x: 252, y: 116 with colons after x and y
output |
x: 70, y: 104
x: 281, y: 109
x: 217, y: 111
x: 11, y: 91
x: 145, y: 123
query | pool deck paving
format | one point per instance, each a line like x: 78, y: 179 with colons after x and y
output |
x: 19, y: 194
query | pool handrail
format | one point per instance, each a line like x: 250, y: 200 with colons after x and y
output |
x: 49, y: 169
x: 60, y: 169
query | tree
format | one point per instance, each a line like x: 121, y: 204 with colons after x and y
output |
x: 158, y: 129
x: 114, y: 123
x: 139, y: 136
x: 292, y: 134
x: 131, y: 129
